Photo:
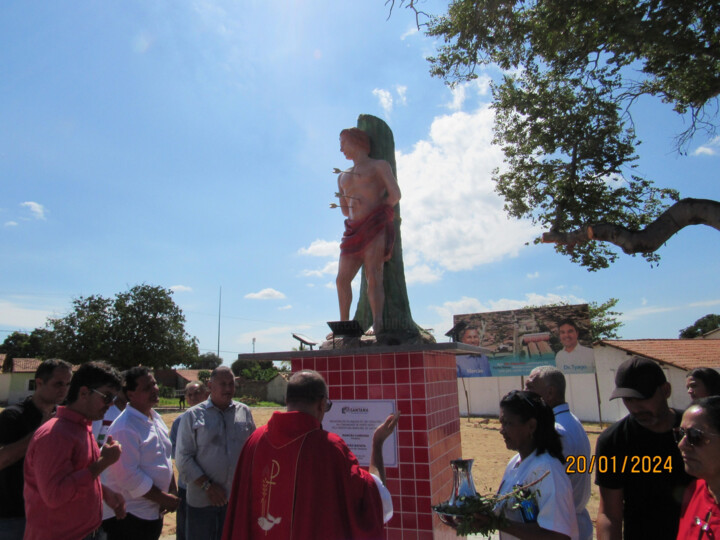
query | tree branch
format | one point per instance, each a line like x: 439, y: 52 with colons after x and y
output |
x: 682, y: 214
x: 409, y: 4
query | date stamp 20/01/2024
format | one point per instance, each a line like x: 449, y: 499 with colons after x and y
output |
x: 619, y: 464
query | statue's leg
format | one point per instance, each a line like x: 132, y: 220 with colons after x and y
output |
x: 374, y: 260
x: 347, y: 270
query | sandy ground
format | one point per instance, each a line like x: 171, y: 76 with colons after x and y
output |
x: 481, y: 441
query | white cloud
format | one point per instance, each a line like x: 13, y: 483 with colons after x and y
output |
x: 142, y: 43
x: 452, y: 217
x: 460, y: 92
x: 322, y: 248
x: 330, y: 268
x: 285, y: 308
x: 633, y: 314
x: 15, y: 315
x: 409, y: 32
x: 401, y: 93
x: 422, y: 274
x: 534, y: 275
x: 385, y: 99
x: 180, y: 288
x: 11, y: 224
x: 266, y: 294
x: 36, y: 209
x: 712, y: 148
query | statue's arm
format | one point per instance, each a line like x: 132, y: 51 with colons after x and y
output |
x: 342, y: 200
x: 392, y: 188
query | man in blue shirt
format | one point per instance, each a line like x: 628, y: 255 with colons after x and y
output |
x: 210, y: 438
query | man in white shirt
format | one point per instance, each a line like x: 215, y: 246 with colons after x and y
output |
x: 144, y: 473
x: 573, y: 358
x: 210, y: 438
x: 549, y: 383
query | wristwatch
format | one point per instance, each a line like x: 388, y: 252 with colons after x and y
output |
x: 206, y: 485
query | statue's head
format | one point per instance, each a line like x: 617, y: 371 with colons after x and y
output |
x: 358, y: 137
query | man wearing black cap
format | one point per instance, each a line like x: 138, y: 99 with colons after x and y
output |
x: 638, y: 466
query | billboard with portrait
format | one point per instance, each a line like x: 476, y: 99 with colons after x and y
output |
x: 516, y: 341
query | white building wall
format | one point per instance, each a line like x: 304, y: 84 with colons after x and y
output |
x: 582, y: 390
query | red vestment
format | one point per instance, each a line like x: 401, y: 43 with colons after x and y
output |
x: 296, y: 481
x: 359, y: 233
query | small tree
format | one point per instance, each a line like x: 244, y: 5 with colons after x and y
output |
x: 204, y: 375
x: 254, y: 371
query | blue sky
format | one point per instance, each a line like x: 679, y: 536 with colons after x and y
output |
x: 191, y: 145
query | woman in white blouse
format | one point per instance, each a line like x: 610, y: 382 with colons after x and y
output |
x: 546, y: 510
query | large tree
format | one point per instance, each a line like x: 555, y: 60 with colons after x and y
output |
x: 703, y: 325
x: 573, y: 73
x: 139, y: 326
x: 23, y: 345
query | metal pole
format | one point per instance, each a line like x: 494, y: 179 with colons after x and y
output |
x: 219, y: 308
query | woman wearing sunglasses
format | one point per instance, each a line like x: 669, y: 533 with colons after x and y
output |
x: 528, y: 426
x: 698, y: 438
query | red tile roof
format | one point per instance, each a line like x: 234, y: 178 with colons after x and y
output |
x: 25, y: 365
x: 682, y: 353
x: 190, y: 375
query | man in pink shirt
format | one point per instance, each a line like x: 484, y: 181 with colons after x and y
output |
x: 63, y: 493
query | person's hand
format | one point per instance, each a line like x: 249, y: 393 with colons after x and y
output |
x: 385, y: 429
x: 111, y: 450
x: 216, y: 494
x: 115, y: 501
x: 169, y: 502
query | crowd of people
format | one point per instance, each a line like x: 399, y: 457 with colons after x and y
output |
x: 87, y: 456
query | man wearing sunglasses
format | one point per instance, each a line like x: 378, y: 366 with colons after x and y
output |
x: 63, y: 490
x: 638, y: 465
x: 296, y: 480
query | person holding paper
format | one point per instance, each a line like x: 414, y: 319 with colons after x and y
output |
x: 296, y: 480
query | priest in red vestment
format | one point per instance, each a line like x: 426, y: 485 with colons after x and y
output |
x: 294, y: 480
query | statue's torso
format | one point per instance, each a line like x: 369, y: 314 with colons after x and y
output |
x: 363, y: 187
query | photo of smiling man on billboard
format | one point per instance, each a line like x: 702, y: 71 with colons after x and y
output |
x: 516, y: 341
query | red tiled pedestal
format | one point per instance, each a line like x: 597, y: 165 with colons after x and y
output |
x: 424, y: 387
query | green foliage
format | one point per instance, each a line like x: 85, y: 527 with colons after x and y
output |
x: 204, y: 375
x: 702, y: 326
x: 254, y: 371
x: 142, y: 326
x: 206, y: 360
x: 604, y: 323
x: 167, y: 391
x: 563, y: 110
x: 22, y: 345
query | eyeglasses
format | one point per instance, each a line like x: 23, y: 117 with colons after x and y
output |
x: 107, y: 398
x: 695, y: 437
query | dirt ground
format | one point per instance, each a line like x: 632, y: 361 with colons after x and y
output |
x: 481, y: 441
